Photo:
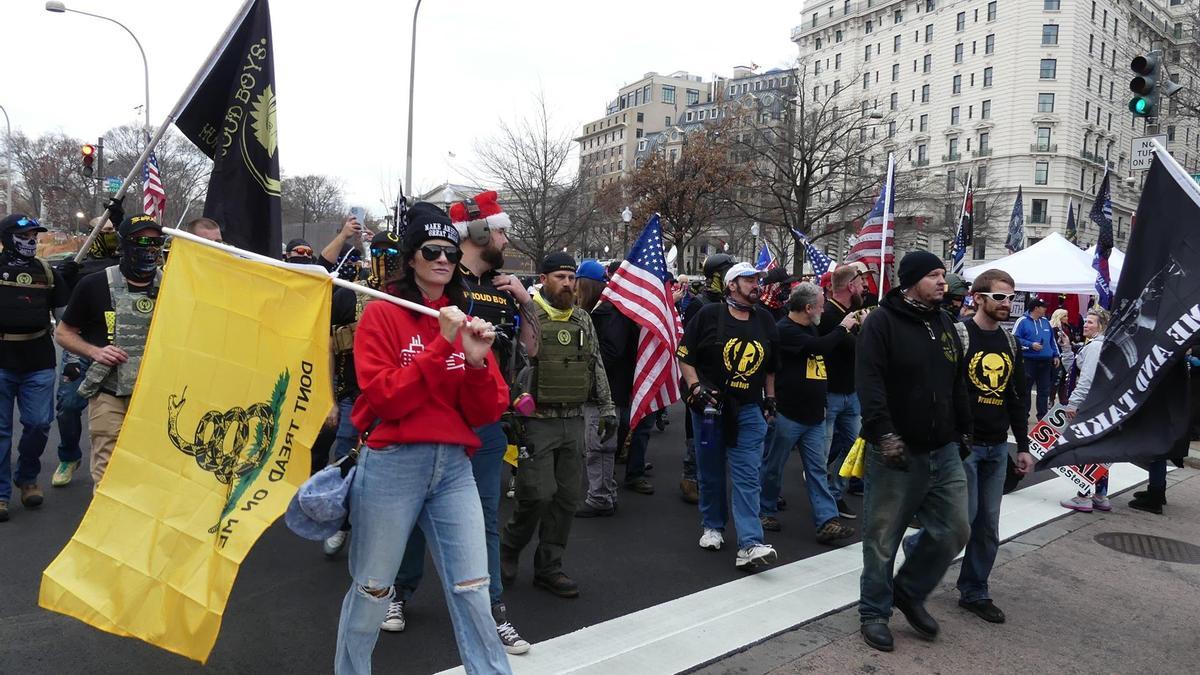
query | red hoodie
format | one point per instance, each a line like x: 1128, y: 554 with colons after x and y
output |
x: 419, y: 385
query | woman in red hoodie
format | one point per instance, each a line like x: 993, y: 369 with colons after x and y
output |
x: 425, y: 383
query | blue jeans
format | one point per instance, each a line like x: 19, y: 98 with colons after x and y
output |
x: 69, y: 412
x: 985, y: 468
x: 843, y: 420
x: 33, y: 394
x: 934, y: 488
x: 346, y: 436
x: 1041, y: 373
x: 486, y: 465
x: 811, y: 438
x: 744, y: 459
x: 395, y: 489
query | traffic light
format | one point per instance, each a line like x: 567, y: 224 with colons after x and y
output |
x: 1145, y: 84
x: 89, y: 158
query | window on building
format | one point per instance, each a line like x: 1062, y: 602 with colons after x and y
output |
x: 891, y: 129
x: 837, y: 61
x: 958, y: 53
x: 667, y: 121
x: 922, y: 153
x: 953, y: 148
x: 845, y: 7
x: 867, y: 53
x: 816, y: 68
x: 924, y: 93
x: 898, y: 16
x: 895, y: 72
x: 956, y: 85
x: 989, y: 44
x: 867, y: 29
x: 985, y: 110
x: 701, y: 115
x: 896, y: 44
x: 987, y: 76
x: 1087, y: 109
x: 1041, y: 173
x: 693, y: 95
x: 929, y: 5
x: 1045, y: 103
x: 668, y: 94
x: 1171, y: 132
x: 837, y: 36
x: 866, y: 80
x: 1091, y: 43
x: 815, y: 16
x: 641, y: 117
x: 1050, y: 5
x: 1050, y: 34
x: 816, y: 93
x: 1093, y: 11
x: 927, y: 63
x: 1038, y: 213
x: 924, y: 123
x: 984, y: 140
x: 929, y: 33
x: 954, y: 115
x: 892, y: 101
x: 991, y: 11
x: 690, y: 117
x: 960, y: 22
x: 1048, y: 69
x: 1043, y: 139
x: 951, y: 186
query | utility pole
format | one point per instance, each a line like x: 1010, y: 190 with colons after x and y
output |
x: 100, y: 177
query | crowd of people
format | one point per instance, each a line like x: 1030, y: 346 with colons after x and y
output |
x: 927, y: 375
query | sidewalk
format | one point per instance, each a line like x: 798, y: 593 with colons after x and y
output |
x: 1073, y: 606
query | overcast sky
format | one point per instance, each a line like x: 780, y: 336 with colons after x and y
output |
x: 341, y: 69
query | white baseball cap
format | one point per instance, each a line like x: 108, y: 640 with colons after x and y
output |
x: 741, y: 269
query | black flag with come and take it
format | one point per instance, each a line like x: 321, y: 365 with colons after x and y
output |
x: 1137, y: 409
x: 231, y: 118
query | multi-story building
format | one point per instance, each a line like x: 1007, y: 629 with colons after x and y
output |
x: 1020, y: 93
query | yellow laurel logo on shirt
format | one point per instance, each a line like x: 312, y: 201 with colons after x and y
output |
x: 24, y: 278
x: 989, y: 372
x: 742, y: 360
x: 144, y: 305
x: 815, y: 367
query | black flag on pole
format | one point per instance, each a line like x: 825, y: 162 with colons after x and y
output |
x: 1137, y: 409
x: 231, y: 118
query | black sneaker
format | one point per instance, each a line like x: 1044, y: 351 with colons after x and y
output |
x: 984, y: 609
x: 642, y: 486
x: 509, y: 637
x: 770, y: 524
x: 559, y: 584
x: 845, y: 511
x: 832, y: 531
x: 393, y: 621
x: 589, y: 511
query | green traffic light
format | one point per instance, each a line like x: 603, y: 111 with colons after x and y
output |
x: 1139, y: 106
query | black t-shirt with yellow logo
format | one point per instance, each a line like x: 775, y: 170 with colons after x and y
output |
x: 803, y: 380
x: 995, y: 381
x: 730, y: 354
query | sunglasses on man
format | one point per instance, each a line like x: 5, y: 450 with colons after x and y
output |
x: 999, y: 297
x: 300, y: 252
x: 432, y: 252
x: 147, y: 241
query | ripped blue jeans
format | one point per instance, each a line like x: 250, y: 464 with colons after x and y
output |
x: 395, y: 489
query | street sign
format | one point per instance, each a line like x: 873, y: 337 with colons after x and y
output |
x: 1142, y: 153
x: 112, y: 184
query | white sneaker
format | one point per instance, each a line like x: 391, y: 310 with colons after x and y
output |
x: 712, y: 539
x: 755, y: 556
x: 334, y: 544
x: 393, y: 622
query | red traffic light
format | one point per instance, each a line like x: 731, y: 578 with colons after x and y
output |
x: 89, y: 158
x: 89, y: 150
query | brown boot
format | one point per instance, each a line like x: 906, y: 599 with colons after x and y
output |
x: 689, y: 491
x: 31, y: 495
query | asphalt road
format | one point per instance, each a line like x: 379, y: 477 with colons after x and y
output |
x: 283, y: 612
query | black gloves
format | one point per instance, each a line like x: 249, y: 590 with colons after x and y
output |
x: 71, y: 371
x: 699, y: 397
x: 894, y: 452
x: 69, y: 269
x: 770, y: 406
x: 116, y: 211
x: 607, y: 427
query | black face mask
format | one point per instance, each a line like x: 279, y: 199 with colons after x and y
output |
x: 139, y: 263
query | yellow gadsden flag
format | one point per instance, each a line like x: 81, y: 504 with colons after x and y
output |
x: 233, y: 388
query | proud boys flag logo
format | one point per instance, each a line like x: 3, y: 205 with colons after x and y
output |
x: 231, y: 118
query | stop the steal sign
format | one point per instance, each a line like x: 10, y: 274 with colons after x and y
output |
x: 1046, y: 434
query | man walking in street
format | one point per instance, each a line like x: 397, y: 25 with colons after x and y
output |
x: 842, y: 411
x: 728, y: 358
x: 916, y: 417
x: 566, y: 372
x: 29, y: 293
x: 1040, y: 352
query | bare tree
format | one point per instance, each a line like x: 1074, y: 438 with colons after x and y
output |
x: 183, y: 169
x: 312, y: 198
x: 527, y: 162
x: 51, y: 185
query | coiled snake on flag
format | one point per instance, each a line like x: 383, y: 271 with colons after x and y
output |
x: 208, y: 447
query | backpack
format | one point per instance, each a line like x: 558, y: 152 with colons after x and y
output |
x: 964, y: 338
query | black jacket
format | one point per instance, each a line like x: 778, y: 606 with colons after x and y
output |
x: 910, y: 376
x: 618, y: 336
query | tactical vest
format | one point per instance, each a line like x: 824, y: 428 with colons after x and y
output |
x: 564, y: 368
x: 25, y: 300
x: 131, y: 326
x: 342, y: 337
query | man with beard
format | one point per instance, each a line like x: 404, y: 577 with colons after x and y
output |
x: 712, y: 291
x: 916, y: 418
x: 107, y: 321
x: 501, y: 300
x: 566, y: 372
x: 995, y: 388
x: 29, y: 293
x: 842, y: 410
x: 728, y: 359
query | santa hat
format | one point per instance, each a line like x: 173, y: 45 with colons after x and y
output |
x: 486, y: 209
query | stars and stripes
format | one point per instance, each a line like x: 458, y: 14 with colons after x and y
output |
x: 820, y: 262
x: 874, y: 245
x: 1101, y: 215
x: 770, y: 292
x: 639, y: 289
x: 965, y: 233
x: 154, y: 197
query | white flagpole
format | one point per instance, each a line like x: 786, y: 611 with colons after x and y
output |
x: 887, y: 217
x: 380, y: 295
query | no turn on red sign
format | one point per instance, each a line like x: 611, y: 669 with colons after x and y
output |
x: 1141, y: 155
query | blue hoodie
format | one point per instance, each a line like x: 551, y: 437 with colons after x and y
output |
x: 1028, y: 331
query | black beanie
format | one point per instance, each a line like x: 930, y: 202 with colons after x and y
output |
x: 915, y: 265
x: 426, y: 221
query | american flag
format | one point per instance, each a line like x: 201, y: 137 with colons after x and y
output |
x: 820, y: 262
x: 966, y: 226
x: 770, y: 292
x: 154, y: 197
x: 1101, y: 215
x: 639, y: 289
x: 874, y: 245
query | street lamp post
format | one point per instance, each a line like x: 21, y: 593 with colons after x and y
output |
x: 59, y: 8
x: 8, y: 205
x: 412, y: 74
x: 626, y: 216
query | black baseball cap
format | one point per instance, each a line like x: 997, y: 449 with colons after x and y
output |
x: 559, y: 261
x: 138, y: 223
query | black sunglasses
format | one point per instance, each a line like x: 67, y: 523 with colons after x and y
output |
x: 432, y: 252
x: 999, y: 297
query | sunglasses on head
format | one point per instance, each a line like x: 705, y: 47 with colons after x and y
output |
x: 432, y: 252
x: 146, y: 241
x: 999, y: 297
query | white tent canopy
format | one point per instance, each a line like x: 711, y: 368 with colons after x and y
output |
x: 1053, y: 265
x: 1116, y: 261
